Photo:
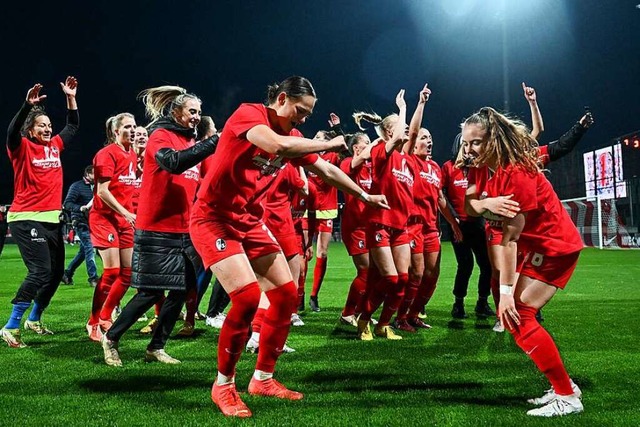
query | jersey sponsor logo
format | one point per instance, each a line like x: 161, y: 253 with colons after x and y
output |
x: 269, y: 166
x: 221, y: 244
x: 365, y: 183
x: 111, y: 237
x: 130, y: 178
x: 51, y: 159
x: 464, y: 183
x: 403, y: 174
x: 430, y: 176
x: 192, y: 173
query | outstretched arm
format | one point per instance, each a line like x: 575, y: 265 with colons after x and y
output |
x: 416, y: 120
x: 70, y: 87
x: 567, y: 142
x: 176, y: 162
x: 536, y: 115
x: 265, y: 138
x: 399, y: 137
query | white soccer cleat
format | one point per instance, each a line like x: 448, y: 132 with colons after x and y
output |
x: 159, y: 355
x: 217, y: 321
x: 252, y: 346
x: 498, y: 327
x: 560, y: 406
x: 349, y: 320
x: 110, y: 349
x: 296, y: 320
x: 550, y: 394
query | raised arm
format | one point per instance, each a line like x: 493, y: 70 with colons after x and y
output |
x: 567, y: 142
x: 70, y: 87
x: 290, y: 146
x: 176, y: 162
x: 416, y: 120
x: 536, y: 115
x: 13, y: 132
x: 398, y: 138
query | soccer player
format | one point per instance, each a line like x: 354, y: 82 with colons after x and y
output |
x: 78, y: 202
x: 164, y: 257
x: 228, y: 232
x: 539, y: 249
x: 111, y: 219
x: 34, y: 216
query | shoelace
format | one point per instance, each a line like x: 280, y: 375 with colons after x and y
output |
x: 230, y: 397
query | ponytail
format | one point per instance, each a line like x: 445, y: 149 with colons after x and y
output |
x: 162, y: 100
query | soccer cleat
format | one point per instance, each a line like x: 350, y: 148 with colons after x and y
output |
x: 349, y: 320
x: 422, y: 314
x: 418, y: 323
x: 93, y: 282
x: 110, y: 349
x: 151, y: 326
x: 227, y: 399
x: 12, y: 338
x: 498, y: 327
x: 550, y: 394
x: 200, y: 316
x: 252, y: 346
x: 403, y: 325
x: 364, y: 331
x: 483, y: 310
x: 287, y: 349
x: 37, y: 327
x: 457, y: 312
x: 386, y: 332
x: 94, y: 332
x: 143, y: 318
x: 187, y: 330
x: 66, y: 279
x: 296, y: 320
x: 217, y: 321
x: 272, y: 388
x: 313, y: 303
x: 159, y: 355
x: 559, y: 406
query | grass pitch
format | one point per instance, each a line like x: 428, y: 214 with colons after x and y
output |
x: 458, y: 373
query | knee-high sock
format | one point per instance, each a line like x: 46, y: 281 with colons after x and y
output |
x: 318, y: 275
x: 536, y: 342
x: 373, y: 277
x: 192, y: 305
x: 119, y: 288
x: 258, y: 319
x: 158, y: 305
x: 276, y: 325
x: 101, y: 291
x: 356, y: 291
x: 425, y: 292
x: 495, y: 291
x: 410, y: 293
x: 378, y: 294
x: 393, y: 300
x: 244, y: 303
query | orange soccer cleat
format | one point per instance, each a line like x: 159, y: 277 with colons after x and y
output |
x: 272, y: 388
x: 228, y: 400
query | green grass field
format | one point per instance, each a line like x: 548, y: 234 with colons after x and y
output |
x: 458, y: 373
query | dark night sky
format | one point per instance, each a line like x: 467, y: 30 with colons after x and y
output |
x: 357, y: 53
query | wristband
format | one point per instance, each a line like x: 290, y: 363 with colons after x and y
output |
x: 364, y: 196
x: 506, y: 289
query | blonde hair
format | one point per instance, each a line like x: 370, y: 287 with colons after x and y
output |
x: 114, y: 123
x: 161, y: 101
x: 382, y: 126
x: 509, y: 142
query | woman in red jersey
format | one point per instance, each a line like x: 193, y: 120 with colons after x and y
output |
x: 353, y: 228
x: 393, y: 173
x: 228, y: 232
x: 423, y: 224
x: 111, y: 219
x: 163, y: 256
x: 34, y: 216
x: 539, y: 249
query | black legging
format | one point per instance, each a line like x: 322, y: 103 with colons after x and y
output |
x: 219, y: 300
x: 474, y: 242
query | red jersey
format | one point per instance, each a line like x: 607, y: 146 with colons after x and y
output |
x: 354, y: 207
x: 241, y: 172
x: 277, y: 205
x: 455, y: 183
x: 392, y: 175
x: 136, y: 195
x: 548, y: 229
x: 119, y: 166
x: 37, y: 176
x: 166, y: 198
x: 325, y: 195
x: 426, y: 193
x: 543, y: 157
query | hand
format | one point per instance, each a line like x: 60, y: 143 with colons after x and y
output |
x: 457, y: 233
x: 70, y: 86
x: 587, y: 120
x: 308, y: 253
x: 502, y: 205
x: 33, y: 95
x: 334, y: 120
x: 529, y: 93
x: 84, y: 208
x: 424, y: 94
x: 400, y: 102
x: 507, y: 312
x: 378, y: 201
x: 131, y: 218
x: 338, y: 144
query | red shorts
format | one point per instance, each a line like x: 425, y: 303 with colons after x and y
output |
x: 380, y: 236
x: 553, y: 270
x: 290, y: 243
x: 110, y: 232
x: 355, y: 240
x: 216, y: 240
x: 324, y: 225
x: 423, y: 241
x: 494, y: 235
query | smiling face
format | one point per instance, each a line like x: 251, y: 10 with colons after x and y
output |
x: 189, y: 114
x: 125, y: 133
x: 292, y: 112
x: 474, y: 139
x: 41, y: 129
x: 424, y: 144
x: 140, y: 139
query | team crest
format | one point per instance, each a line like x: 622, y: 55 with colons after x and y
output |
x: 221, y: 244
x: 378, y: 237
x: 412, y: 244
x: 361, y: 244
x: 329, y: 223
x: 111, y: 237
x: 34, y: 232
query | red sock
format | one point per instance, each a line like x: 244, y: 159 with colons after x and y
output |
x: 356, y: 291
x: 410, y: 293
x: 425, y: 292
x: 378, y: 294
x: 318, y: 275
x: 393, y: 299
x: 495, y: 291
x: 276, y: 325
x: 256, y: 324
x: 119, y: 288
x: 191, y: 304
x: 540, y: 347
x: 233, y: 335
x: 159, y: 305
x: 109, y: 275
